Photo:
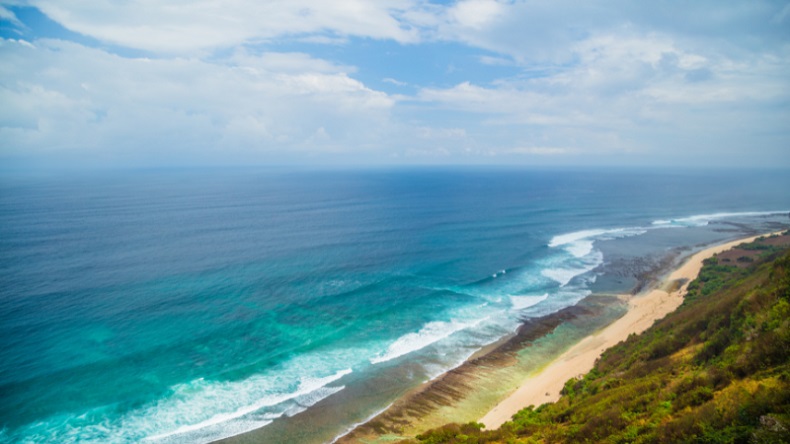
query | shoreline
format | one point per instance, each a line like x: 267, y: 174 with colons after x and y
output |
x: 470, y: 389
x: 474, y: 390
x: 644, y: 309
x: 500, y: 370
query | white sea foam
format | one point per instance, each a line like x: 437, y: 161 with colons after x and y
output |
x: 578, y: 243
x: 309, y: 392
x: 428, y: 334
x: 564, y: 273
x: 522, y: 302
x: 701, y: 220
x: 567, y: 238
x: 463, y: 345
x: 581, y: 243
x: 308, y: 400
x: 564, y: 297
x: 199, y: 411
x: 354, y: 426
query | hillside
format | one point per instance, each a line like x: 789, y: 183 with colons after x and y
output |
x: 714, y: 371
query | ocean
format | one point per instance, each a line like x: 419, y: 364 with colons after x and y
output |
x: 182, y: 306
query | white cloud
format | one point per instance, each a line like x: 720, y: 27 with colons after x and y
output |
x: 525, y: 31
x: 394, y: 82
x: 582, y: 79
x: 440, y: 133
x: 287, y: 62
x: 7, y: 15
x: 496, y: 61
x: 427, y: 153
x: 637, y: 93
x: 476, y: 14
x: 65, y: 98
x: 542, y: 151
x: 184, y: 26
x: 533, y: 31
x: 616, y: 69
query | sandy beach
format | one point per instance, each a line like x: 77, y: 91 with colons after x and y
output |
x: 643, y: 310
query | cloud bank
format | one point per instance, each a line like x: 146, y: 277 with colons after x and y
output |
x: 243, y: 82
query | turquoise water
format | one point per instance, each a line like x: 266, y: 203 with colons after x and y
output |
x: 189, y: 306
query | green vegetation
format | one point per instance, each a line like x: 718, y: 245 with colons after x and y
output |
x: 714, y: 371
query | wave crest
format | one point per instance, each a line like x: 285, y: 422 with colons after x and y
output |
x: 431, y: 333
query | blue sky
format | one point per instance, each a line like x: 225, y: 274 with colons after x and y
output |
x: 356, y: 82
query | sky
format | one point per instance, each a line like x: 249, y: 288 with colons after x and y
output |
x: 149, y: 83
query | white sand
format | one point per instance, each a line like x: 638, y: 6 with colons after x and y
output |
x: 643, y: 310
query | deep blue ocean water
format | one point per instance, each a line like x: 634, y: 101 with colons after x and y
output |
x: 192, y: 305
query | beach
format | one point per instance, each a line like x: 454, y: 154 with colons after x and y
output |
x: 643, y: 310
x: 532, y: 366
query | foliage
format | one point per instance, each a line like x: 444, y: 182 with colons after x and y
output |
x: 715, y: 371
